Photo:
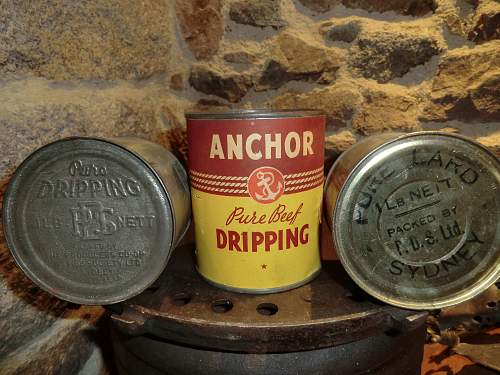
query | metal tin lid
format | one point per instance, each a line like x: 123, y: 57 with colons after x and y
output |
x: 416, y: 223
x: 253, y: 114
x: 88, y: 221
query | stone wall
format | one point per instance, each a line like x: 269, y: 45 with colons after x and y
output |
x: 123, y: 67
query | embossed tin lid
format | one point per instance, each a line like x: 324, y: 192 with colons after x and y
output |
x: 416, y: 223
x: 88, y: 221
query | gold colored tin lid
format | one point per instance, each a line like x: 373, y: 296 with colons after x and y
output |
x: 416, y: 223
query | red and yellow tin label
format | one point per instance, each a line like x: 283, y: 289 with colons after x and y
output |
x: 256, y: 189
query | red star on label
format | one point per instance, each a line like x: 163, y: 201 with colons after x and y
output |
x: 264, y: 266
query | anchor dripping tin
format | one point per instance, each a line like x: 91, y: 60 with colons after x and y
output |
x: 256, y: 184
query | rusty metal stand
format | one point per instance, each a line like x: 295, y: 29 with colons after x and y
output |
x: 182, y: 325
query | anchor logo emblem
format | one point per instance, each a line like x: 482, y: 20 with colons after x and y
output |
x: 266, y: 184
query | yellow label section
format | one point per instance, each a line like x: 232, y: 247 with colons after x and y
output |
x: 248, y: 245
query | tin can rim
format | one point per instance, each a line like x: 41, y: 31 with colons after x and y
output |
x: 254, y: 114
x: 11, y: 243
x: 338, y: 160
x: 481, y: 284
x: 159, y: 180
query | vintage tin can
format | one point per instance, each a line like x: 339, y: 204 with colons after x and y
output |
x: 415, y: 218
x: 94, y: 221
x: 256, y: 185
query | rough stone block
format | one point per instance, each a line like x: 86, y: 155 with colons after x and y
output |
x: 61, y: 39
x: 231, y: 86
x: 259, y: 13
x: 240, y: 57
x: 387, y: 109
x: 297, y: 59
x: 486, y: 22
x: 339, y: 102
x: 467, y: 85
x: 341, y: 31
x: 385, y: 55
x: 201, y: 25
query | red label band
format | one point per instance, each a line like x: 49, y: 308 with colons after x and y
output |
x: 261, y: 158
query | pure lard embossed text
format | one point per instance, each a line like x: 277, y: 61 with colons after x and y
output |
x: 423, y: 216
x: 465, y: 174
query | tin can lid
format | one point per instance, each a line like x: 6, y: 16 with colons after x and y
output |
x: 416, y: 223
x: 254, y: 114
x: 88, y: 221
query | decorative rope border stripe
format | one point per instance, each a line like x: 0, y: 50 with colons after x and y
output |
x: 217, y: 177
x: 245, y: 191
x: 303, y: 174
x: 302, y: 180
x: 240, y: 178
x: 219, y: 190
x: 202, y: 181
x: 303, y: 187
x: 230, y: 185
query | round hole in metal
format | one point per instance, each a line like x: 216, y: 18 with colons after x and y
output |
x: 267, y: 308
x: 181, y: 298
x: 222, y: 306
